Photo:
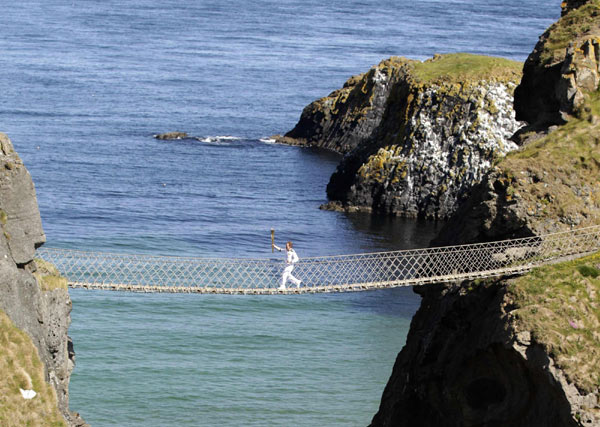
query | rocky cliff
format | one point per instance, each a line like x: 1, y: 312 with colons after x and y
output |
x: 35, y: 301
x: 350, y: 116
x: 417, y: 135
x: 562, y: 67
x: 514, y: 352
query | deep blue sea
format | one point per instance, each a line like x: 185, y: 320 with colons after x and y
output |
x: 85, y: 84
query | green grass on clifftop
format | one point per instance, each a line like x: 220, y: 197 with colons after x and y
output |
x: 560, y: 305
x: 462, y: 68
x: 21, y: 367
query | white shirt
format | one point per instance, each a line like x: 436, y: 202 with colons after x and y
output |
x: 291, y: 255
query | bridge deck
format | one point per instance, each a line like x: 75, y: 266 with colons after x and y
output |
x: 297, y: 290
x: 342, y: 273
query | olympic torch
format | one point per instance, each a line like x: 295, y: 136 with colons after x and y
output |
x: 272, y: 240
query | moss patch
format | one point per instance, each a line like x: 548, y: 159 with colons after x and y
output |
x: 462, y: 68
x: 3, y: 217
x: 560, y: 305
x: 48, y: 276
x: 20, y: 367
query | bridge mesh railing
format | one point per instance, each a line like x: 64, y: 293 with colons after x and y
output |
x: 327, y: 273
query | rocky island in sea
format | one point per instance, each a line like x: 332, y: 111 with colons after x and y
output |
x: 444, y: 139
x: 416, y: 135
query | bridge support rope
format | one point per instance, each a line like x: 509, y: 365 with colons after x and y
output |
x: 340, y: 273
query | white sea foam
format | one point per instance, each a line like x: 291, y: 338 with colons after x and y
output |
x: 268, y: 141
x: 218, y: 140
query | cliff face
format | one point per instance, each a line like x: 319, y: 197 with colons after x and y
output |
x: 42, y: 312
x: 417, y: 136
x: 501, y: 353
x: 562, y: 67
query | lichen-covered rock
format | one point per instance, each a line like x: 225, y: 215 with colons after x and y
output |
x: 43, y: 315
x: 348, y: 116
x: 580, y: 74
x: 562, y: 67
x: 440, y: 130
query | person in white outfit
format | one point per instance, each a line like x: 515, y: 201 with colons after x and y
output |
x: 290, y: 259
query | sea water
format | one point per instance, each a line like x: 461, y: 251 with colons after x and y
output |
x: 86, y: 84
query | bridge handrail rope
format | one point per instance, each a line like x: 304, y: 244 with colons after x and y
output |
x: 154, y: 273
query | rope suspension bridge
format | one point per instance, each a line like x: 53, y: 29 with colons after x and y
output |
x: 340, y: 273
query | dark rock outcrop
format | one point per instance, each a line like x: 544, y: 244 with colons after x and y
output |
x: 43, y: 314
x: 350, y: 116
x: 562, y: 67
x: 468, y: 363
x: 569, y: 5
x: 172, y: 135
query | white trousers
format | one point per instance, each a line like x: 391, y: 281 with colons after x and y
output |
x: 287, y: 275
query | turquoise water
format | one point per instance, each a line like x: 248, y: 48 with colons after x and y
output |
x: 229, y: 360
x: 85, y: 85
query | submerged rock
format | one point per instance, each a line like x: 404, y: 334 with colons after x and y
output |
x: 172, y: 135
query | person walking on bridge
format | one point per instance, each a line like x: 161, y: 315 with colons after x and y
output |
x: 290, y: 259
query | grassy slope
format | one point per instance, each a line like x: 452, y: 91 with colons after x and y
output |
x: 560, y: 305
x: 559, y: 176
x: 21, y: 367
